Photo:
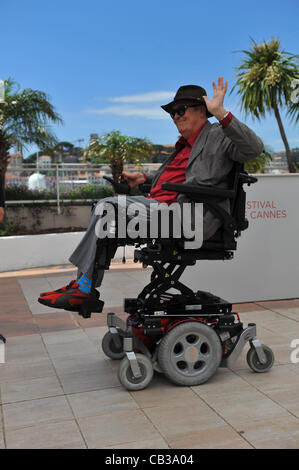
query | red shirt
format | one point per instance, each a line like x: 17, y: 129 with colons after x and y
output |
x: 175, y: 172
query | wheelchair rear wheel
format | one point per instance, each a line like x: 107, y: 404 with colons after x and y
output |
x: 190, y: 353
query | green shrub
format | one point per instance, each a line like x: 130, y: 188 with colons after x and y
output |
x: 90, y: 191
x: 8, y: 229
x: 16, y: 192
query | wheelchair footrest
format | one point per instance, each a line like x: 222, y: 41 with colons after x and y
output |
x: 90, y: 306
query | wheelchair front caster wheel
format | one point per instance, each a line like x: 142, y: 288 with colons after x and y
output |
x: 110, y: 346
x: 126, y: 377
x: 254, y: 362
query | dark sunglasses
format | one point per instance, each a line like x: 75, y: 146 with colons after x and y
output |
x: 181, y: 110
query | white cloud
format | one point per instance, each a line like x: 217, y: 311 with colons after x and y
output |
x: 131, y: 105
x: 149, y: 113
x: 147, y: 97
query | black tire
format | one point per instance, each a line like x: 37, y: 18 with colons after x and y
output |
x: 190, y: 353
x: 126, y: 377
x: 110, y: 348
x: 255, y: 364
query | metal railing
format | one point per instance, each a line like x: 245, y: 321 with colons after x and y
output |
x: 62, y: 176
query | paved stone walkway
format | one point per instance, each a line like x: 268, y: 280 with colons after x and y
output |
x: 58, y: 390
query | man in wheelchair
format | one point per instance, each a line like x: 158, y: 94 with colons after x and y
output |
x: 205, y: 155
x: 186, y: 335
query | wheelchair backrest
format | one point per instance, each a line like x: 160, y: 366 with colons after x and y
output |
x: 237, y: 178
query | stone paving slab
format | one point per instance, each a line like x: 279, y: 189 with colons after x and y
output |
x: 58, y: 435
x: 32, y: 389
x: 59, y: 390
x: 31, y: 412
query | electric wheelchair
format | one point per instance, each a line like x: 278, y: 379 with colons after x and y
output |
x: 184, y: 334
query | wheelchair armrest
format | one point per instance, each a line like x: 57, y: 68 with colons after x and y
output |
x: 121, y: 187
x: 145, y: 187
x: 199, y: 190
x: 245, y: 178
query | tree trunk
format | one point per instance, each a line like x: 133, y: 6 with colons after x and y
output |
x: 291, y: 164
x: 116, y: 165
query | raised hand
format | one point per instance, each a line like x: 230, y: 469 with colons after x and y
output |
x: 215, y: 104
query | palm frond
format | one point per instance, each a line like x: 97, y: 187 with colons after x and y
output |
x: 264, y: 77
x: 293, y: 113
x: 27, y: 116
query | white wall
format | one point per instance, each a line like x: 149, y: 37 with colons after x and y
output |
x: 29, y: 251
x: 266, y: 263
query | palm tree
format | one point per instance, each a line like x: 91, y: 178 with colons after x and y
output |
x: 116, y: 149
x: 25, y: 118
x: 293, y: 112
x: 264, y: 81
x: 257, y: 165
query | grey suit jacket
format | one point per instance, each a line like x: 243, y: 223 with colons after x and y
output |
x: 212, y: 158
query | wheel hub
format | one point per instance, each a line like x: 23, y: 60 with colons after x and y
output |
x: 191, y: 354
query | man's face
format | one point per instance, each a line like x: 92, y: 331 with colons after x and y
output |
x: 188, y: 124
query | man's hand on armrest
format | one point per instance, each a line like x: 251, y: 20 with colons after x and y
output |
x: 134, y: 178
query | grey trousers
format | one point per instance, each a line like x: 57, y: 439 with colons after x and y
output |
x: 85, y: 254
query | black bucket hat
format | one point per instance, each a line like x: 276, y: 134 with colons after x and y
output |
x: 188, y: 93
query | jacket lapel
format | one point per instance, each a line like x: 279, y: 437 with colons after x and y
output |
x: 161, y: 169
x: 199, y: 143
x: 196, y: 149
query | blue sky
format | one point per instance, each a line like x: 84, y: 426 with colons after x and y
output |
x: 109, y: 65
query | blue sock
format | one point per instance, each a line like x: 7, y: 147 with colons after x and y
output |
x: 84, y: 285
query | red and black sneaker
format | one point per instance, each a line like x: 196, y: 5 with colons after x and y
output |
x: 69, y: 299
x: 62, y: 289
